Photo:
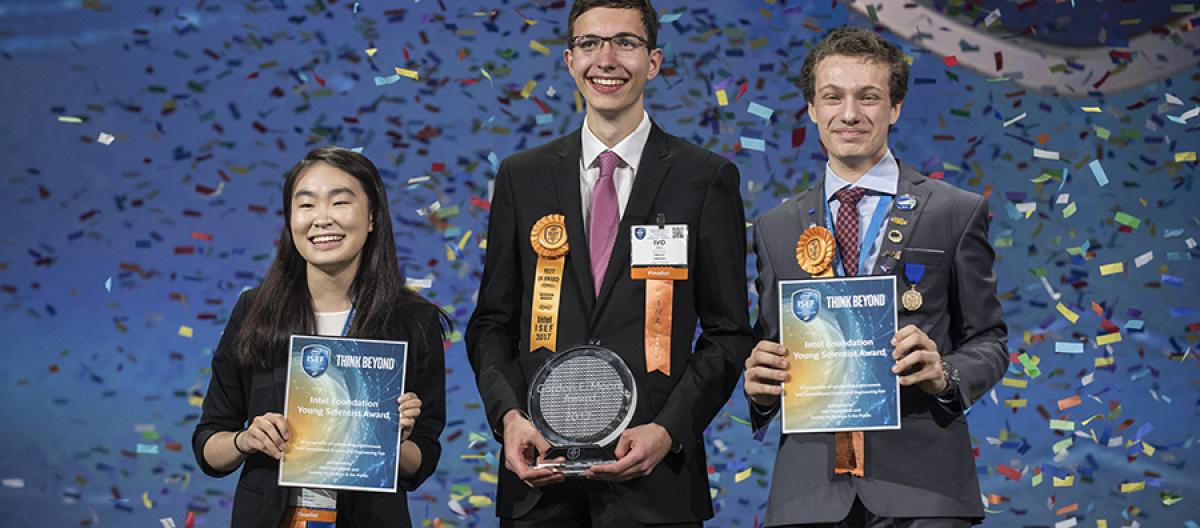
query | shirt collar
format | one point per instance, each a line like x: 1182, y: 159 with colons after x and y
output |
x: 629, y: 149
x: 881, y: 179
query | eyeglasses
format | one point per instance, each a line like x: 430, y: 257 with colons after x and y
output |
x: 623, y: 43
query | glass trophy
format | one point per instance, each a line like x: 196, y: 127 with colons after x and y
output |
x: 581, y: 400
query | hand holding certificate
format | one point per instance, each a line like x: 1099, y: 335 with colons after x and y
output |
x: 344, y: 431
x: 838, y: 334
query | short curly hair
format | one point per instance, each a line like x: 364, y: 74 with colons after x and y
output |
x: 856, y: 42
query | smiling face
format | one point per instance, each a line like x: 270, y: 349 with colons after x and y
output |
x: 329, y: 219
x: 853, y: 110
x: 611, y: 80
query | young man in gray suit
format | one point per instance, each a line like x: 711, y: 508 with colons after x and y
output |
x: 950, y: 349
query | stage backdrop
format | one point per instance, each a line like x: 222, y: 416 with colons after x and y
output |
x: 144, y: 143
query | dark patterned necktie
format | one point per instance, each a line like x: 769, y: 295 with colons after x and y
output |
x: 847, y: 227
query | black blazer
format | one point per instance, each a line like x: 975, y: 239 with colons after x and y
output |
x: 236, y: 394
x: 688, y: 185
x: 926, y: 468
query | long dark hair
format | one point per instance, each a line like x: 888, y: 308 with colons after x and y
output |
x: 283, y: 305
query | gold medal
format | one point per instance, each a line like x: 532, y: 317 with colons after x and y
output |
x: 549, y: 240
x: 814, y: 251
x: 912, y: 299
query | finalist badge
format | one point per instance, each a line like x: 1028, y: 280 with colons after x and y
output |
x: 658, y: 255
x: 814, y: 251
x: 912, y: 298
x: 549, y: 240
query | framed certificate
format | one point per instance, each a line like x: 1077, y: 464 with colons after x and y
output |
x: 838, y: 335
x: 341, y: 410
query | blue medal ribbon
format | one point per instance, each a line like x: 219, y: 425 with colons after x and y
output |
x: 914, y: 272
x: 877, y: 218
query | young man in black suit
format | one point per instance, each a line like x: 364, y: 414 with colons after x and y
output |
x: 599, y: 185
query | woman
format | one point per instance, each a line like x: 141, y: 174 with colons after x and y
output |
x: 335, y: 273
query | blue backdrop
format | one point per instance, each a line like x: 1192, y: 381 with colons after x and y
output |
x: 144, y: 145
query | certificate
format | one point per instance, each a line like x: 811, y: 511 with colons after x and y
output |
x: 838, y: 336
x: 341, y: 411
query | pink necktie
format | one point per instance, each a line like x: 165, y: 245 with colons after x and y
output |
x: 602, y: 228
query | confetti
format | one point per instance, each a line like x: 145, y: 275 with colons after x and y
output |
x: 743, y: 475
x: 1064, y: 347
x: 411, y: 74
x: 539, y: 47
x: 1098, y: 173
x: 760, y: 111
x: 1016, y: 119
x: 1067, y: 313
x: 753, y: 144
x: 1045, y: 154
x: 1130, y: 487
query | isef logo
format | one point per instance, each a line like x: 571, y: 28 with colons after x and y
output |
x: 805, y: 304
x: 315, y: 359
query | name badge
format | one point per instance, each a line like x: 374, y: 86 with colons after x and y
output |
x: 658, y: 255
x: 653, y: 249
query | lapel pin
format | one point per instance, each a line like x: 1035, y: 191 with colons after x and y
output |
x: 895, y: 236
x: 906, y: 202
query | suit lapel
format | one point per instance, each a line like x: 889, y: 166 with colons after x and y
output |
x: 808, y: 210
x: 564, y: 173
x: 902, y: 222
x: 652, y: 170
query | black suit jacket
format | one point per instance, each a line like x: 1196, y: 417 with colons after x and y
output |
x: 688, y: 185
x: 237, y: 394
x: 924, y: 469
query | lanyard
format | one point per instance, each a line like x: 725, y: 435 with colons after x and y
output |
x: 349, y: 317
x: 885, y: 201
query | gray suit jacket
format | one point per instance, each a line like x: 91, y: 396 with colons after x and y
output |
x: 926, y: 468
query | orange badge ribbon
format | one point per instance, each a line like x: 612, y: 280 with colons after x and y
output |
x: 660, y: 300
x: 659, y: 304
x: 549, y: 240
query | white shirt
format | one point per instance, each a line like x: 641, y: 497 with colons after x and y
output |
x: 331, y: 323
x: 629, y: 149
x: 882, y: 179
x: 328, y: 324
